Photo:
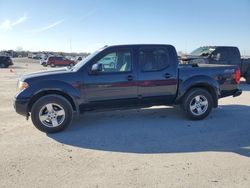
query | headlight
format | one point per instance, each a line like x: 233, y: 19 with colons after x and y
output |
x: 22, y: 85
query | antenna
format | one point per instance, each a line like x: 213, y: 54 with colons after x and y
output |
x: 70, y: 45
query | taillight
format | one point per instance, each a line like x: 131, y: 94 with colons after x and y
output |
x: 237, y: 76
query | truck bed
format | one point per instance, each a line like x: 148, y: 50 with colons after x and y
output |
x: 221, y: 74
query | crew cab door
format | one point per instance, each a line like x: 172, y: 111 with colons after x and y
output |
x: 158, y: 75
x: 58, y: 61
x: 114, y: 85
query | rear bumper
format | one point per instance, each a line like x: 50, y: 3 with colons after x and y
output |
x: 237, y: 93
x: 234, y: 93
x: 21, y: 106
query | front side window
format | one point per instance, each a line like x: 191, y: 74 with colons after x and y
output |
x: 153, y: 59
x: 116, y: 62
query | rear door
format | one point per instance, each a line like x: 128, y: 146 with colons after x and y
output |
x: 61, y: 61
x: 158, y: 75
x: 65, y: 61
x: 115, y: 85
x: 58, y: 61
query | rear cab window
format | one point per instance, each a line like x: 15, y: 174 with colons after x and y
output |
x: 220, y: 54
x: 153, y: 59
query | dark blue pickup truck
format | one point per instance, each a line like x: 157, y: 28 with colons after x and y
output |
x: 121, y: 77
x: 222, y: 55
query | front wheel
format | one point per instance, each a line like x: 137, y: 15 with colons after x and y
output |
x: 2, y: 65
x: 197, y: 104
x: 51, y: 113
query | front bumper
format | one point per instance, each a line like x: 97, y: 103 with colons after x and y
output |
x: 21, y: 106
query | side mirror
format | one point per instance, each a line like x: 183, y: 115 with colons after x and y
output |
x: 96, y: 68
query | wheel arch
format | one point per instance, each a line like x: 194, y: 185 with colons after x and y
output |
x: 209, y: 89
x: 205, y: 83
x: 43, y: 93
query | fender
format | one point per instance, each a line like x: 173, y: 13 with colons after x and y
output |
x: 40, y: 87
x: 199, y: 81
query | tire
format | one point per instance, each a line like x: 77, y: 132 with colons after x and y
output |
x: 52, y: 65
x: 51, y: 113
x: 2, y: 65
x: 197, y: 104
x: 71, y: 64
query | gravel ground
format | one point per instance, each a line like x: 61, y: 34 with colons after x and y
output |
x: 153, y: 147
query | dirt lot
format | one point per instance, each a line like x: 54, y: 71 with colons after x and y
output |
x: 154, y: 147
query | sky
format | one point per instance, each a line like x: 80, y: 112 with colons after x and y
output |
x: 87, y: 25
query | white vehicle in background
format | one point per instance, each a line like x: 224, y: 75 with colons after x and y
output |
x: 43, y: 61
x: 108, y: 61
x: 78, y: 59
x: 30, y: 55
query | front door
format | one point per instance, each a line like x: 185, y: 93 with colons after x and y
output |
x: 115, y: 84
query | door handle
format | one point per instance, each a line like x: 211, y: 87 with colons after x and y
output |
x: 167, y: 75
x: 130, y: 78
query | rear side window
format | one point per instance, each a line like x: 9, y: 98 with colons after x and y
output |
x: 153, y: 59
x: 220, y: 54
x: 59, y: 58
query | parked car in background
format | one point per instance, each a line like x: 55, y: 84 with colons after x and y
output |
x: 43, y: 61
x: 55, y: 61
x: 120, y: 77
x: 227, y: 55
x: 5, y: 61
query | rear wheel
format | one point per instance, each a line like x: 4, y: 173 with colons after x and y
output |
x: 197, y: 104
x: 51, y: 113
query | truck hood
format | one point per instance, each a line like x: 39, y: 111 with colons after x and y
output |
x: 45, y: 73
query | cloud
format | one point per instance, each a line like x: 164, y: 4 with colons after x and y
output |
x: 89, y: 14
x: 45, y: 28
x: 20, y: 20
x: 8, y: 24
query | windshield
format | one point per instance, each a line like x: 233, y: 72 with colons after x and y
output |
x: 202, y: 51
x: 85, y: 60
